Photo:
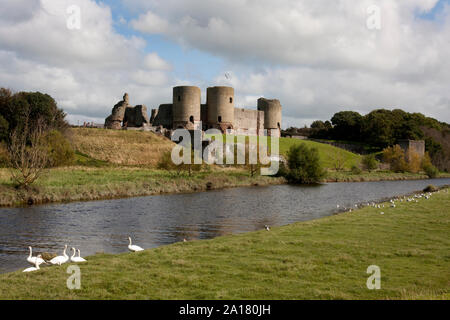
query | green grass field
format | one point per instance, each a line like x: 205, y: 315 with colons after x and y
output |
x: 328, y: 154
x: 322, y: 259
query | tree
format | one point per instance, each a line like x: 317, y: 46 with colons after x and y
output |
x: 347, y: 125
x: 370, y: 162
x: 304, y: 165
x: 395, y: 156
x: 4, y: 128
x: 318, y: 124
x: 28, y: 154
x: 26, y: 108
x: 378, y: 128
x: 338, y: 160
x: 414, y: 161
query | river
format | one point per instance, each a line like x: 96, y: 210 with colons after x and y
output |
x: 104, y: 226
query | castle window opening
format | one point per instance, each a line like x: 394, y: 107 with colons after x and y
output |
x: 231, y: 99
x: 191, y: 119
x: 220, y: 119
x: 179, y: 98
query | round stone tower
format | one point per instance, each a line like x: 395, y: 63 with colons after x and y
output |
x: 272, y: 115
x: 186, y: 107
x: 220, y: 102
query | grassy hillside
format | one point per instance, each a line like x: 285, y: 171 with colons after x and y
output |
x: 328, y: 154
x: 322, y: 259
x: 122, y: 147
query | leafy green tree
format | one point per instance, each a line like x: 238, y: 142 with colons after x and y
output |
x: 318, y: 124
x: 304, y: 165
x: 347, y: 125
x: 370, y: 162
x: 31, y: 106
x: 378, y: 128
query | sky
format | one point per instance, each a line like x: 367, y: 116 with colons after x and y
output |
x: 317, y: 57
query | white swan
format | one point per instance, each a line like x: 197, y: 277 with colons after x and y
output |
x: 76, y: 259
x: 133, y: 247
x: 59, y: 260
x: 36, y: 265
x: 32, y: 260
x: 79, y: 257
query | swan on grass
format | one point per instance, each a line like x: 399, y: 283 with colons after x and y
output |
x: 133, y: 247
x: 32, y: 260
x: 79, y: 257
x: 76, y: 259
x: 59, y: 260
x: 36, y: 265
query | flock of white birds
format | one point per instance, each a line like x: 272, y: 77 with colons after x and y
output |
x: 414, y: 198
x: 59, y: 260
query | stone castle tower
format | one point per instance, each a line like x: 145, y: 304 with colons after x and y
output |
x: 186, y: 111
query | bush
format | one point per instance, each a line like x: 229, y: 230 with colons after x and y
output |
x: 395, y: 156
x: 282, y: 170
x: 304, y: 165
x: 426, y: 161
x: 431, y: 188
x: 60, y: 152
x: 165, y: 162
x: 431, y: 171
x: 369, y: 162
x: 356, y: 170
x: 414, y: 161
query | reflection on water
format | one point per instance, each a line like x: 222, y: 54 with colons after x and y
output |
x: 103, y: 226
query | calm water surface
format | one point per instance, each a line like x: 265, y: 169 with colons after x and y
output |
x: 103, y: 226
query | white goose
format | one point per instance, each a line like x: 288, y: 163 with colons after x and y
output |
x: 76, y: 259
x: 59, y: 260
x: 133, y: 247
x: 32, y: 260
x: 36, y: 265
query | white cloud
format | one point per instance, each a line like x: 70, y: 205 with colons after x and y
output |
x: 87, y: 70
x: 318, y: 56
x: 150, y: 23
x: 153, y: 61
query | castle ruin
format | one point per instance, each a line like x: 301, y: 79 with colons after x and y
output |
x: 124, y: 115
x: 187, y: 112
x: 416, y: 146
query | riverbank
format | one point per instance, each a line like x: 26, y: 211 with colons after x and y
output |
x: 320, y: 259
x: 378, y: 176
x: 86, y: 183
x: 89, y: 183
